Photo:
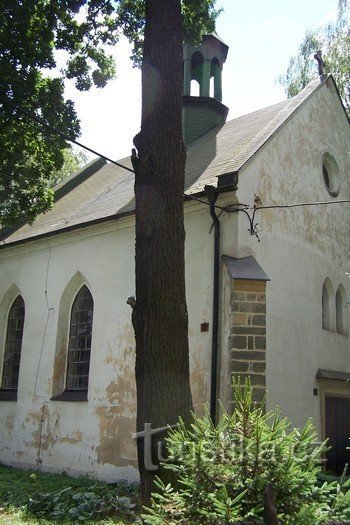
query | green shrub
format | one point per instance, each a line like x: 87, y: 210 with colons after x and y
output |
x: 222, y: 471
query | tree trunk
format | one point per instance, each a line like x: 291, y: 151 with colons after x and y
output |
x: 160, y: 313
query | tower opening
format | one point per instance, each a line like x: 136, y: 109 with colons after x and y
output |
x: 212, y: 87
x: 197, y: 61
x: 195, y: 88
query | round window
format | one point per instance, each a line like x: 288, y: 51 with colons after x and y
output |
x: 331, y: 175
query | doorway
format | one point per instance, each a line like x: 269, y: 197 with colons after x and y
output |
x: 337, y: 430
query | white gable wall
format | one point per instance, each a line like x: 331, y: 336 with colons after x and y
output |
x: 300, y: 248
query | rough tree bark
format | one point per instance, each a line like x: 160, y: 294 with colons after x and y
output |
x: 160, y: 313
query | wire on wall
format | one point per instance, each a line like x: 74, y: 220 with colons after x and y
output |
x: 49, y: 310
x: 255, y: 228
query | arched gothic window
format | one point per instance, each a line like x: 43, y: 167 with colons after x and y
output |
x: 79, y: 344
x: 327, y: 294
x: 13, y: 345
x: 341, y: 311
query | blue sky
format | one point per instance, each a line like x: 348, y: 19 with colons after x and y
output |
x: 261, y: 35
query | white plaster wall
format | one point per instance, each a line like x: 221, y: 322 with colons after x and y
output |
x: 299, y: 248
x: 92, y: 437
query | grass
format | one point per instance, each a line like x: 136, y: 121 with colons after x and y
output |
x: 36, y: 498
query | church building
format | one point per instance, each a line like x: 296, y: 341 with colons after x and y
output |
x: 267, y: 290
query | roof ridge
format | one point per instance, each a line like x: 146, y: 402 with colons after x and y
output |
x: 68, y: 184
x: 274, y: 124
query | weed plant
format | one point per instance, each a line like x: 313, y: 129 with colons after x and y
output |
x: 33, y: 497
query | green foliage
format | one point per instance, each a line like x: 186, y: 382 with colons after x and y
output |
x: 303, y: 67
x: 31, y: 31
x: 73, y: 160
x: 83, y: 506
x: 198, y: 18
x: 222, y: 472
x: 334, y: 41
x: 64, y: 499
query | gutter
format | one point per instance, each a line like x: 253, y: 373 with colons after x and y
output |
x: 212, y: 195
x: 229, y: 185
x: 67, y: 229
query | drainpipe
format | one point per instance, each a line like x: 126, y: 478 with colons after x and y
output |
x: 212, y: 195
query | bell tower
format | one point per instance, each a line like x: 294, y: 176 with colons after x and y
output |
x: 202, y: 113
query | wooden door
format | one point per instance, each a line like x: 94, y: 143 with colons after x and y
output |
x: 338, y: 432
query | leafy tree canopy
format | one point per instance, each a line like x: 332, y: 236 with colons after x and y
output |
x: 73, y: 160
x: 334, y: 40
x: 31, y: 31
